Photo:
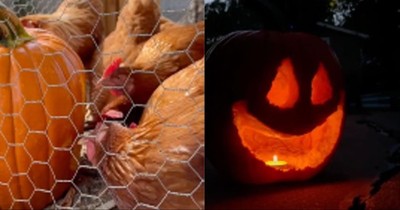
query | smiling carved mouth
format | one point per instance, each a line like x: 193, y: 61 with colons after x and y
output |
x: 300, y: 151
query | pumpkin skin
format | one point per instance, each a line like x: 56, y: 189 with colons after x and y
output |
x: 39, y: 118
x: 272, y: 93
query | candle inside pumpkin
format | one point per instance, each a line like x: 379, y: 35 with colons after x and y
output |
x: 276, y: 162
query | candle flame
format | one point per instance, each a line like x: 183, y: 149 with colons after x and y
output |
x: 275, y: 158
x: 275, y: 162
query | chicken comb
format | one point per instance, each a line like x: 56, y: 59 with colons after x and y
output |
x: 112, y: 67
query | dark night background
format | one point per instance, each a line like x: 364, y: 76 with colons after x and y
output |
x: 365, y: 35
x: 366, y: 42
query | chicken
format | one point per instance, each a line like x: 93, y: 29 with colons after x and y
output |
x: 137, y: 22
x: 161, y: 56
x: 172, y: 49
x: 78, y: 22
x: 164, y: 154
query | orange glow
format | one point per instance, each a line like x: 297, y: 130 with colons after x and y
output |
x: 321, y: 87
x: 284, y: 90
x: 301, y: 151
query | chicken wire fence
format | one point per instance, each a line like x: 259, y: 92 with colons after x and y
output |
x: 87, y: 187
x: 184, y: 11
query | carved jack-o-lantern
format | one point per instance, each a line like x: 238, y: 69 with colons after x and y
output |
x: 274, y: 106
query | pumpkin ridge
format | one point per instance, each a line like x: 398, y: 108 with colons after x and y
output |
x: 18, y: 178
x: 9, y: 89
x: 61, y: 75
x: 36, y: 65
x: 42, y: 85
x: 26, y: 52
x: 68, y: 60
x: 30, y: 56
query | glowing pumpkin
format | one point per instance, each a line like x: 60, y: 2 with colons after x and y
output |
x: 39, y: 119
x: 274, y: 106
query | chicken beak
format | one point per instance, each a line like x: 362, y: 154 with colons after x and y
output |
x: 113, y: 114
x: 89, y: 149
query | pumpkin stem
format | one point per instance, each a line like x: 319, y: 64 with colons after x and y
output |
x: 12, y: 32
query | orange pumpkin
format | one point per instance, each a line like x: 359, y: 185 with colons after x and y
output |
x: 274, y: 106
x: 39, y: 118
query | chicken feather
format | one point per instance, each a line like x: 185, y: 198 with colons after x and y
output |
x: 145, y: 159
x: 76, y: 22
x: 161, y: 56
x: 137, y: 22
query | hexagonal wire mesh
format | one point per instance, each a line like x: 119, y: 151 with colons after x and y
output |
x: 88, y: 187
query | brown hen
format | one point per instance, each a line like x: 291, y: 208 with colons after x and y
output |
x: 162, y: 55
x: 137, y: 22
x: 161, y: 161
x: 78, y: 22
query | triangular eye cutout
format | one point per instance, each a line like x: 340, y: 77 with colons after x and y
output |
x: 321, y: 88
x: 284, y: 90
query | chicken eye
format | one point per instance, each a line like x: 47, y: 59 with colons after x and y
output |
x: 284, y: 90
x: 321, y: 89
